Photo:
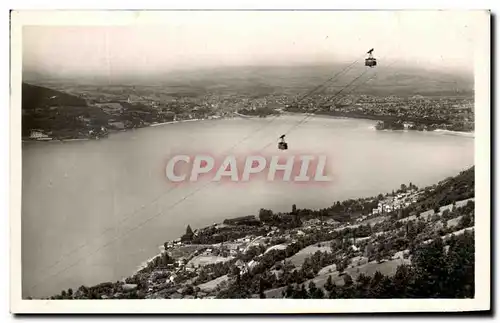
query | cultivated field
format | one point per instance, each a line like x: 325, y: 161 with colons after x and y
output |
x: 298, y: 259
x: 203, y: 260
x: 211, y: 285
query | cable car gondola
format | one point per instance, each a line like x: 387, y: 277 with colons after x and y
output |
x: 370, y: 61
x: 282, y: 145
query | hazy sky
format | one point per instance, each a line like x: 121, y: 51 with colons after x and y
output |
x: 192, y: 39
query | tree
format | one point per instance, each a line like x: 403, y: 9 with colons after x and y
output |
x: 329, y: 284
x: 166, y: 259
x: 466, y: 221
x: 377, y: 289
x: 430, y: 268
x: 303, y: 292
x: 460, y: 262
x: 377, y: 278
x: 341, y: 265
x: 265, y: 215
x: 189, y: 231
x: 189, y: 290
x: 319, y: 294
x: 261, y: 289
x: 334, y: 293
x: 402, y: 282
x: 348, y: 280
x: 188, y: 236
x: 312, y: 289
x: 295, y: 217
x: 315, y: 292
x: 411, y: 230
x: 369, y: 250
x: 234, y: 272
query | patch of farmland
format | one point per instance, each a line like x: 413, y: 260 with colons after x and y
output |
x: 275, y: 293
x: 298, y: 259
x: 204, y: 260
x: 459, y: 232
x: 211, y: 285
x: 185, y: 250
x: 454, y: 222
x: 327, y: 270
x: 387, y: 268
x: 276, y: 247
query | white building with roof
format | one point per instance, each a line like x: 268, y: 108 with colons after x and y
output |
x: 38, y: 135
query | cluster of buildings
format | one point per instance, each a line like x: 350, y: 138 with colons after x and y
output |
x: 172, y: 108
x: 416, y: 107
x: 193, y: 262
x: 396, y: 202
x: 37, y: 134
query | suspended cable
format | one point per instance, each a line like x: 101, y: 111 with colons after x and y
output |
x: 180, y: 200
x: 320, y: 106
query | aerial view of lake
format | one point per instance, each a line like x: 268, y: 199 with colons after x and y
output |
x: 93, y: 211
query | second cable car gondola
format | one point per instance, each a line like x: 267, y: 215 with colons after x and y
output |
x: 282, y: 145
x: 370, y: 61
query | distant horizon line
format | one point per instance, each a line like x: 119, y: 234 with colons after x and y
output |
x: 40, y: 74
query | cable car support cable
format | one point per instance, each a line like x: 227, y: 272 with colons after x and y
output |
x: 169, y: 191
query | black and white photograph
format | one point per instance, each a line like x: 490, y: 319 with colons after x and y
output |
x: 232, y: 155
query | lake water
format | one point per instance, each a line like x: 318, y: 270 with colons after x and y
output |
x: 93, y: 211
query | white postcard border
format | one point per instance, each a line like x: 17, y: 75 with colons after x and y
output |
x: 483, y: 211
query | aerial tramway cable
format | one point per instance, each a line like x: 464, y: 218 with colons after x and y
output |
x: 334, y: 98
x: 321, y: 106
x: 343, y: 71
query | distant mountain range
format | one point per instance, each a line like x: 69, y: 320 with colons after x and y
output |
x: 380, y: 80
x: 264, y: 80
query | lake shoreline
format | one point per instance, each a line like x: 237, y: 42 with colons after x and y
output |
x: 242, y: 116
x: 122, y: 130
x: 326, y: 116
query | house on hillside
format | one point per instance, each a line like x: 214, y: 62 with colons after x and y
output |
x: 117, y: 125
x: 38, y: 135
